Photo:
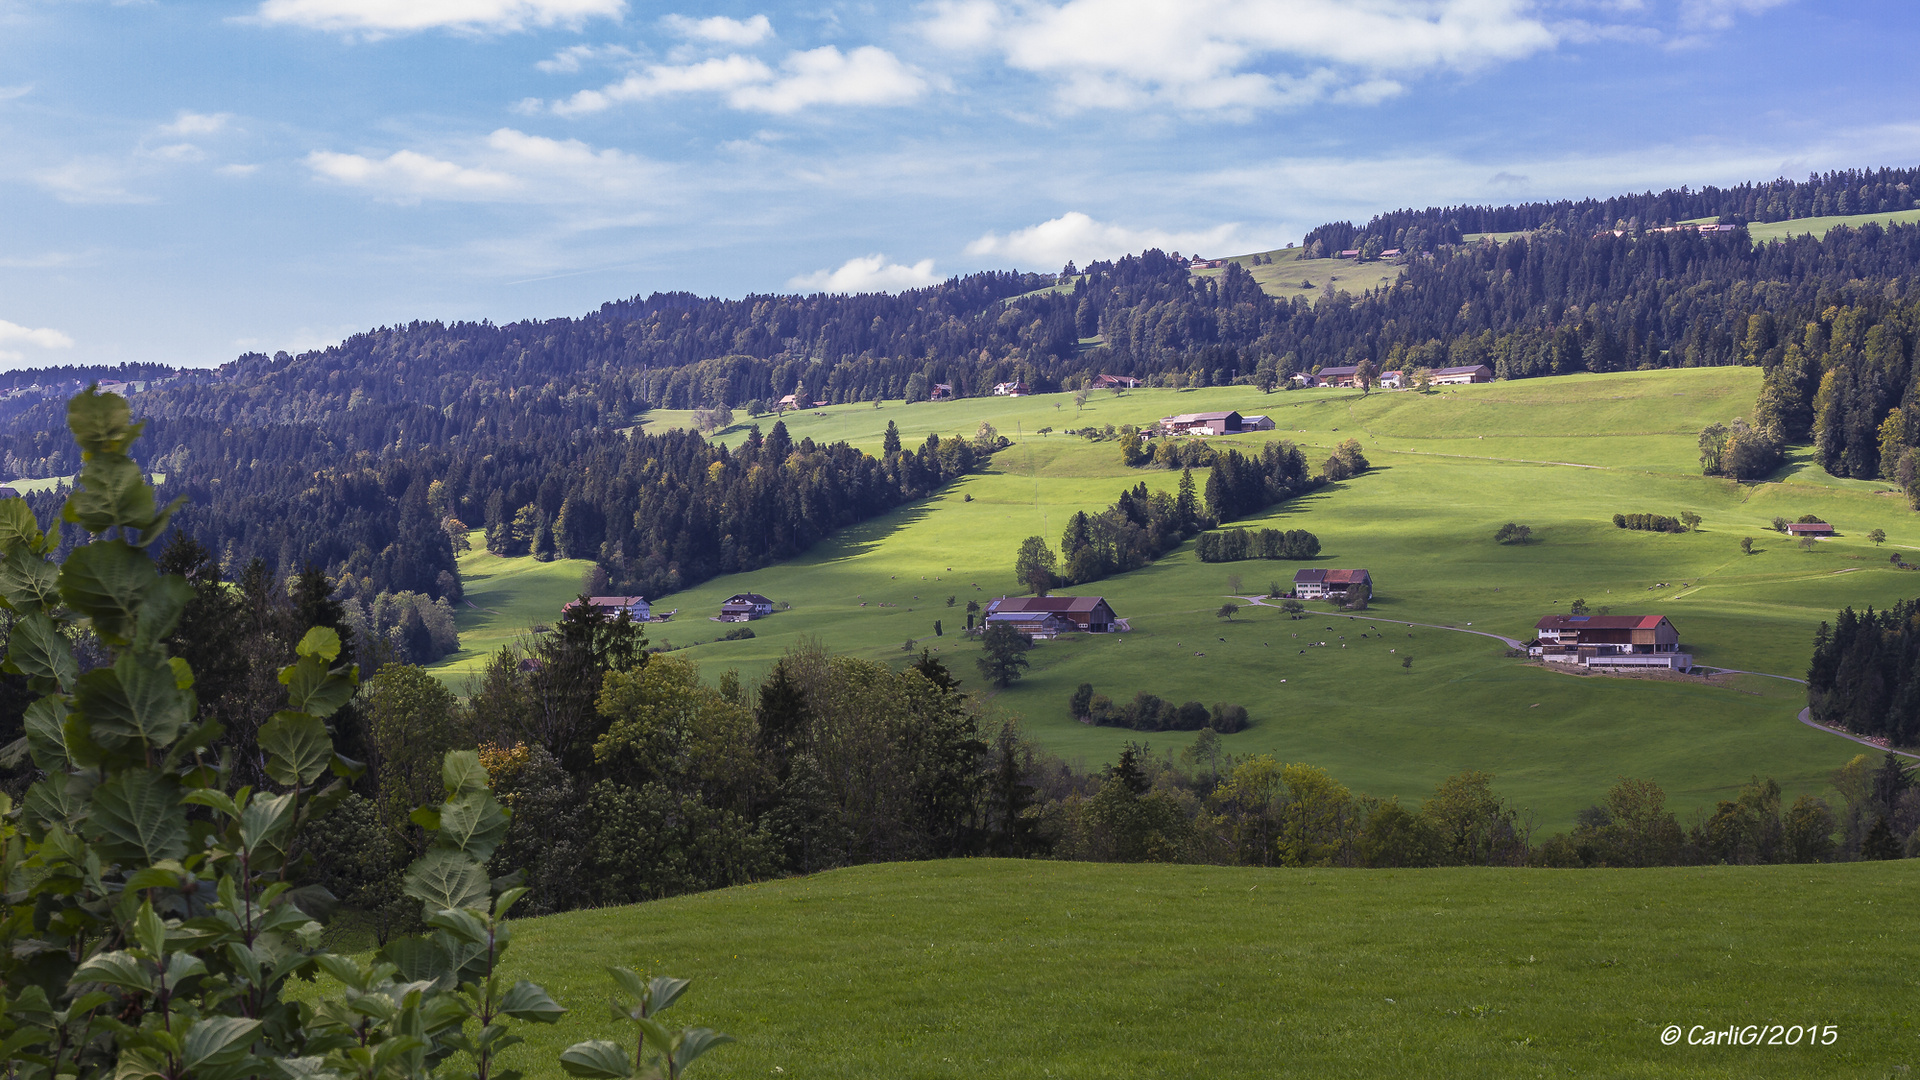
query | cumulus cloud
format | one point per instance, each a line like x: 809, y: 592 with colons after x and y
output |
x: 1079, y: 237
x: 506, y: 166
x: 403, y: 16
x: 823, y: 76
x: 44, y: 337
x: 866, y: 274
x: 1225, y: 54
x: 721, y: 30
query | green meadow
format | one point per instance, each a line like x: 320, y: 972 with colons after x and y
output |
x: 1819, y: 226
x: 1289, y: 275
x: 1561, y: 455
x: 993, y: 968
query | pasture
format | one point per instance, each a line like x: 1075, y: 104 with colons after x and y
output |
x: 1561, y: 455
x: 995, y: 968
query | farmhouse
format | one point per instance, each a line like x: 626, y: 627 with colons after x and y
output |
x: 941, y: 392
x: 1471, y: 373
x: 1010, y: 389
x: 1809, y: 528
x: 1339, y: 376
x: 1305, y: 379
x: 745, y: 607
x: 790, y: 402
x: 1329, y: 584
x: 1393, y: 380
x: 1609, y: 641
x: 1117, y: 382
x: 636, y: 607
x: 1089, y: 613
x: 1205, y: 423
x: 1039, y: 625
x: 1256, y: 423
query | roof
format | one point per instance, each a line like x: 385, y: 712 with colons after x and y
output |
x: 1809, y: 527
x: 1462, y: 370
x: 1199, y: 417
x: 615, y: 601
x: 1599, y: 622
x: 1337, y: 372
x: 1332, y: 577
x: 747, y: 598
x: 1255, y: 418
x: 1012, y: 604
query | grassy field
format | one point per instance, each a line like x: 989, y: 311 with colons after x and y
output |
x: 505, y: 600
x: 987, y: 968
x: 1819, y: 226
x: 1562, y: 455
x: 1289, y: 276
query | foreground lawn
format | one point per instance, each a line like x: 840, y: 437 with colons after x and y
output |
x: 995, y: 968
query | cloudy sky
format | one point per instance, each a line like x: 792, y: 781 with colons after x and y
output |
x: 184, y: 180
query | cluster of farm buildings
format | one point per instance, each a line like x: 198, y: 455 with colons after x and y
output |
x: 740, y: 607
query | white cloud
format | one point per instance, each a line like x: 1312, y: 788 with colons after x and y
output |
x: 175, y: 152
x: 15, y: 334
x: 574, y: 57
x: 506, y: 166
x: 1078, y: 237
x: 823, y: 76
x: 8, y: 93
x: 237, y: 169
x: 1225, y: 54
x: 89, y: 180
x: 1720, y: 14
x: 408, y: 176
x: 401, y: 16
x: 721, y: 30
x: 190, y: 124
x: 868, y: 273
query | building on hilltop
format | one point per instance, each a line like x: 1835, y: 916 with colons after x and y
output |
x: 745, y: 607
x: 1088, y: 613
x: 1609, y: 641
x: 1329, y: 584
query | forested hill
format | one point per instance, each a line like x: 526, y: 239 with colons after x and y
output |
x: 366, y: 458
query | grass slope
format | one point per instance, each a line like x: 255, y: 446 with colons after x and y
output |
x: 1289, y: 275
x: 505, y: 599
x: 988, y: 968
x: 1820, y: 226
x: 1559, y: 454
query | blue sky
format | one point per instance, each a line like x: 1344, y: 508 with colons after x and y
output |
x: 186, y: 181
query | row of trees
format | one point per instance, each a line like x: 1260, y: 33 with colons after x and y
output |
x: 1865, y: 673
x: 1687, y: 521
x: 1233, y: 545
x: 1150, y: 712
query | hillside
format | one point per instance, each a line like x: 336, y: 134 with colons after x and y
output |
x: 1562, y: 455
x: 988, y: 968
x: 1289, y: 275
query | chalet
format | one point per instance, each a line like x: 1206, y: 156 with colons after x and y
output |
x: 1328, y: 584
x: 1471, y: 373
x: 1390, y: 253
x: 1350, y: 253
x: 1010, y: 389
x: 1205, y: 423
x: 1117, y: 382
x: 1305, y: 379
x: 1393, y: 380
x: 941, y: 392
x: 1809, y: 528
x: 1256, y: 423
x: 1088, y: 613
x: 1343, y: 375
x: 1609, y: 641
x: 745, y: 607
x: 790, y: 402
x: 636, y: 607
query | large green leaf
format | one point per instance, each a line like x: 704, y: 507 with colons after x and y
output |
x: 105, y: 581
x: 214, y: 1037
x: 133, y: 700
x: 473, y: 823
x: 312, y: 688
x: 461, y: 772
x: 109, y: 491
x: 264, y: 818
x: 319, y: 642
x: 38, y: 650
x: 27, y: 580
x: 299, y: 751
x: 58, y: 799
x: 101, y: 423
x: 18, y: 529
x: 596, y: 1059
x: 115, y: 969
x: 157, y: 524
x: 137, y: 818
x: 692, y: 1043
x: 529, y: 1002
x: 447, y: 879
x: 45, y: 721
x: 160, y: 610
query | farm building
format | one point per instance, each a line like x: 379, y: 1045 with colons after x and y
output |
x: 1809, y: 528
x: 1328, y: 584
x: 1256, y: 423
x: 636, y: 607
x: 1205, y: 423
x: 1472, y: 373
x: 1039, y: 625
x: 1393, y: 380
x: 1609, y: 641
x: 1340, y: 375
x: 745, y: 607
x: 1089, y: 613
x: 941, y: 392
x: 1305, y: 379
x: 1117, y: 382
x: 790, y: 402
x: 1010, y: 389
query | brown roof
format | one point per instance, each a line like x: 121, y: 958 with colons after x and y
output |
x: 1333, y: 577
x: 1046, y: 603
x: 1599, y: 622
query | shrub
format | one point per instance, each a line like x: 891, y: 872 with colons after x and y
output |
x: 1150, y: 712
x: 738, y: 633
x: 1515, y: 533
